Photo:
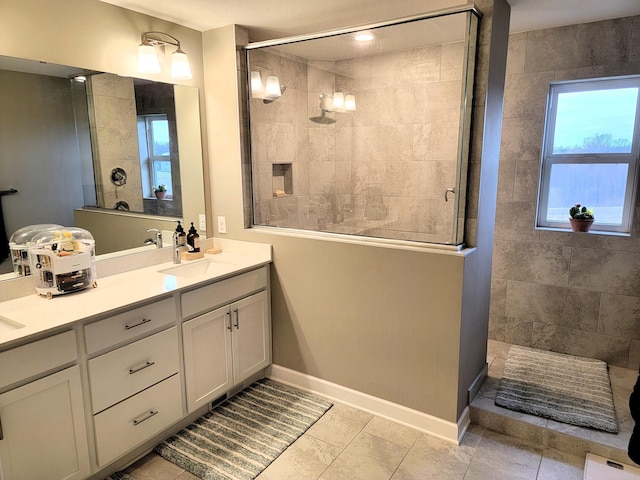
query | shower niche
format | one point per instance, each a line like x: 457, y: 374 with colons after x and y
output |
x: 365, y: 131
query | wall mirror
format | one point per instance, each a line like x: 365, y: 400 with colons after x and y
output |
x: 90, y: 149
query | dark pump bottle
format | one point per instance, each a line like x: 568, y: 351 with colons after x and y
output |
x: 193, y: 239
x: 182, y: 236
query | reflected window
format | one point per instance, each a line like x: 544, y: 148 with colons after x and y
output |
x: 155, y: 153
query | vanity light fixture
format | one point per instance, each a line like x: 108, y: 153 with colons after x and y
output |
x: 267, y: 92
x: 148, y: 56
x: 339, y: 102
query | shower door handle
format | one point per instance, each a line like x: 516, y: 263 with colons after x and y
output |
x: 446, y: 193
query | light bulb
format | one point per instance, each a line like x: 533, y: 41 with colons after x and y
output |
x: 147, y: 59
x: 338, y: 100
x: 273, y: 87
x: 350, y: 103
x: 180, y: 68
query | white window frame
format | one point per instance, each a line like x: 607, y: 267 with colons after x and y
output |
x: 549, y: 158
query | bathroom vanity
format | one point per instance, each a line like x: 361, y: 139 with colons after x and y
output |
x: 91, y: 380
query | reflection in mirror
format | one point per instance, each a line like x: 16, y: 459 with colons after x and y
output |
x: 91, y: 149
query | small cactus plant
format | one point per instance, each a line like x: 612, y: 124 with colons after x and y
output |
x: 579, y: 212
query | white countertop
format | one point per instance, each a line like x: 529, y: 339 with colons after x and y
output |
x: 39, y: 314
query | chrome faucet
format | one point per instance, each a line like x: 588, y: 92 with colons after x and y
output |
x: 176, y: 248
x: 157, y: 241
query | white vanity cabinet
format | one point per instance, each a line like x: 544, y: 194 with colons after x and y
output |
x: 227, y: 345
x: 43, y: 432
x: 136, y: 389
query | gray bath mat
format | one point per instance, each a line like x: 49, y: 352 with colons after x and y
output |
x: 561, y: 387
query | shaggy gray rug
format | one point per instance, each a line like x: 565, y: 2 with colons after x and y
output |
x: 561, y: 387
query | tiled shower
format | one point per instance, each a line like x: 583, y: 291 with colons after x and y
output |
x: 394, y: 167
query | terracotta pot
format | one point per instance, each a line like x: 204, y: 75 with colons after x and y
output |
x: 160, y: 195
x: 578, y: 225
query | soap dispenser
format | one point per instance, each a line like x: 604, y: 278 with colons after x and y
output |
x: 193, y: 239
x: 182, y: 236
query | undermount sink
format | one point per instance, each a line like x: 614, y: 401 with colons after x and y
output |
x: 7, y: 325
x: 197, y: 268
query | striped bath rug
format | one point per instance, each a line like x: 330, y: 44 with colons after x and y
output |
x: 240, y: 437
x: 569, y: 389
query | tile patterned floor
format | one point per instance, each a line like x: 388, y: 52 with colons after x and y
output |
x: 349, y: 444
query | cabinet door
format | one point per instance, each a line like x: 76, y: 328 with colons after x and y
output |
x: 44, y: 432
x: 207, y: 357
x: 251, y: 335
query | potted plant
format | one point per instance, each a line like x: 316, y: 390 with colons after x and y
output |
x: 160, y: 191
x: 581, y: 218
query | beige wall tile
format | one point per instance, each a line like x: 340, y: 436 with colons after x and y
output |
x: 547, y: 264
x: 620, y: 316
x: 553, y: 305
x: 606, y: 270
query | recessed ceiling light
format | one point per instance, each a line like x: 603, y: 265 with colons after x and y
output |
x: 364, y: 37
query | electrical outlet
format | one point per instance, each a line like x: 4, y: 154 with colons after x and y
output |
x: 222, y: 224
x: 202, y: 220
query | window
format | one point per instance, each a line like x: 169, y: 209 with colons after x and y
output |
x: 590, y: 152
x: 155, y: 153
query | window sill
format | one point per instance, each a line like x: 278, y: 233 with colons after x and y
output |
x: 590, y: 232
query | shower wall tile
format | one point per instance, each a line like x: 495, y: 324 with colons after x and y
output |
x: 402, y: 177
x: 525, y: 185
x: 451, y: 61
x: 552, y: 305
x: 634, y: 48
x: 542, y: 336
x: 498, y: 302
x: 522, y: 138
x: 513, y: 221
x: 620, y: 316
x: 597, y: 43
x: 404, y: 213
x: 322, y: 177
x: 613, y: 350
x: 546, y: 264
x: 526, y: 94
x: 512, y: 330
x: 322, y: 145
x: 516, y: 53
x: 606, y: 270
x: 382, y: 144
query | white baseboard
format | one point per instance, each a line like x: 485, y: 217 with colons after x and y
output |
x: 434, y: 426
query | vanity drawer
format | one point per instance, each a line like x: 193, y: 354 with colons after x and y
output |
x: 28, y: 360
x: 137, y: 419
x: 129, y: 325
x: 206, y: 298
x: 125, y: 371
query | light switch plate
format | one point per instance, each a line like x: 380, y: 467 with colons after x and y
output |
x: 202, y: 220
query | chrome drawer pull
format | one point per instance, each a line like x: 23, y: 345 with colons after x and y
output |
x: 237, y: 325
x: 145, y: 418
x: 229, y: 315
x: 136, y: 370
x: 144, y: 320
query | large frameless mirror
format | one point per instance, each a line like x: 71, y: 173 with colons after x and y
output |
x: 98, y: 151
x: 365, y: 132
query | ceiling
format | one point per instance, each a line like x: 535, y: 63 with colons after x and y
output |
x: 269, y: 19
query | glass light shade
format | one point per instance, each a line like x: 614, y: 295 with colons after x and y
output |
x: 147, y: 59
x: 350, y: 103
x: 180, y: 68
x: 257, y: 90
x: 338, y: 100
x: 273, y: 87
